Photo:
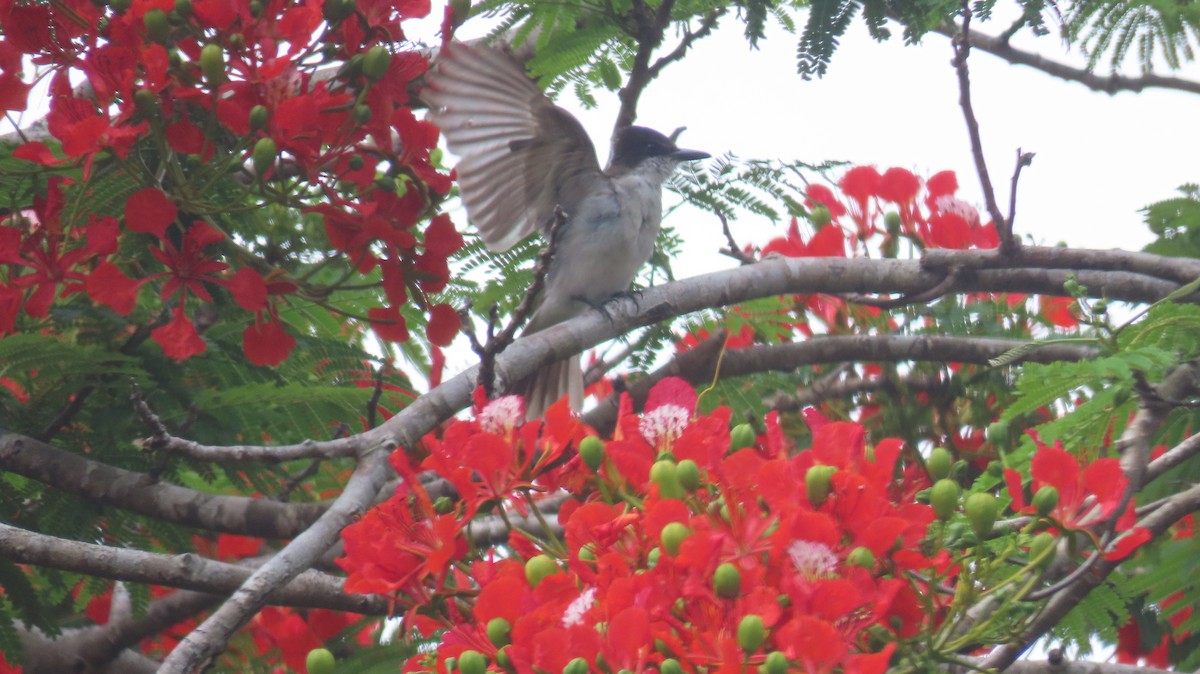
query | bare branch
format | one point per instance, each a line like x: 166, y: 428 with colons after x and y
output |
x: 962, y: 50
x: 698, y: 365
x: 1111, y: 84
x: 102, y: 648
x: 1023, y: 159
x: 310, y: 589
x: 199, y: 648
x: 144, y: 495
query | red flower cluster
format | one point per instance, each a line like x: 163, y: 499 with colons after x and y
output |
x: 218, y: 88
x: 681, y: 542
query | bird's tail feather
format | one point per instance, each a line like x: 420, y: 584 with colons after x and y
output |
x: 549, y: 384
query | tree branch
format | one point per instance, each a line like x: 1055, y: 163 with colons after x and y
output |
x: 100, y: 648
x: 697, y: 366
x: 199, y: 648
x: 142, y: 494
x: 962, y: 50
x: 1111, y: 84
x: 310, y: 589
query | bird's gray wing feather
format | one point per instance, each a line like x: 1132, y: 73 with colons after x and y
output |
x: 520, y: 154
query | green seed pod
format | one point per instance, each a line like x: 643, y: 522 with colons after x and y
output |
x: 576, y: 666
x: 499, y: 632
x: 320, y: 661
x: 591, y: 451
x: 1042, y: 544
x: 538, y: 568
x: 998, y: 433
x: 1045, y: 500
x: 891, y: 220
x: 817, y: 483
x: 777, y: 663
x: 741, y: 437
x: 146, y: 102
x: 939, y: 463
x: 688, y: 474
x: 664, y: 474
x: 862, y: 557
x: 672, y: 537
x: 727, y: 581
x: 751, y: 632
x: 264, y: 155
x: 158, y: 29
x: 982, y: 509
x: 472, y: 662
x: 376, y: 62
x: 259, y: 116
x: 212, y: 64
x: 943, y: 496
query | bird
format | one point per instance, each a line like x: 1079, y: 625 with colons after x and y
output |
x: 521, y: 157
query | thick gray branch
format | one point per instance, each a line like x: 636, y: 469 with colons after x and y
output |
x: 197, y: 651
x: 310, y: 589
x: 140, y: 493
x: 698, y: 366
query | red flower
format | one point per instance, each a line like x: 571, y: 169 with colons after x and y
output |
x: 266, y: 342
x: 830, y: 241
x: 149, y: 210
x: 179, y: 339
x: 1086, y: 496
x: 444, y: 324
x: 189, y: 267
x: 109, y: 286
x: 1059, y: 311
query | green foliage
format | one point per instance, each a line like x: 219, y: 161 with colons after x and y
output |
x: 1096, y: 616
x: 1176, y: 223
x: 1145, y: 29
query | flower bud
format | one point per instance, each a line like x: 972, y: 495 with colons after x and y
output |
x: 751, y: 632
x: 1045, y: 500
x: 777, y: 663
x: 499, y: 632
x: 982, y: 509
x: 741, y: 437
x: 576, y: 666
x: 320, y: 661
x: 376, y: 62
x: 727, y: 581
x: 939, y: 463
x: 672, y: 537
x: 943, y: 496
x: 472, y: 662
x: 817, y: 482
x: 212, y: 64
x: 539, y: 567
x: 591, y: 451
x: 157, y: 27
x: 862, y: 557
x: 688, y: 474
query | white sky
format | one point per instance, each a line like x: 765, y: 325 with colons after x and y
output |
x: 1100, y: 158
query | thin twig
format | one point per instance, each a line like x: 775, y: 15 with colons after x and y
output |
x: 962, y: 50
x: 1023, y: 159
x: 376, y: 394
x: 734, y: 250
x: 497, y: 343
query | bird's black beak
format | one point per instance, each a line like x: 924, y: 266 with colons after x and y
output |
x: 688, y: 155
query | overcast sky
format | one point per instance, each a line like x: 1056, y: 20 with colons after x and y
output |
x: 1100, y: 158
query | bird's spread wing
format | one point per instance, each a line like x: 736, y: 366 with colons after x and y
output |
x: 520, y: 154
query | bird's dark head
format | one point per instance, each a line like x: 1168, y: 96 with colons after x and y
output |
x: 634, y: 145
